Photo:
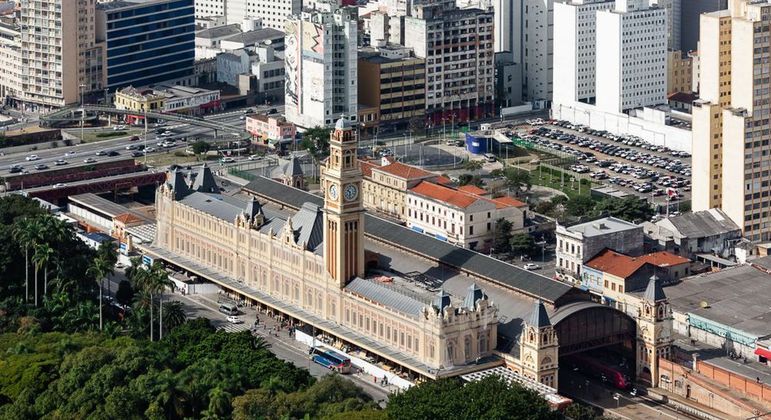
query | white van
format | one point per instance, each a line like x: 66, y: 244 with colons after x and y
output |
x: 229, y: 309
x: 489, y: 157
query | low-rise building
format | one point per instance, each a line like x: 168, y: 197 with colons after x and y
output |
x: 269, y: 130
x: 702, y: 232
x: 611, y: 274
x: 386, y: 183
x: 167, y: 98
x: 578, y: 243
x: 460, y: 216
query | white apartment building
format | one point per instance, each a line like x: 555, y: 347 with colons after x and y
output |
x: 321, y: 67
x: 631, y: 56
x: 746, y: 135
x: 273, y: 13
x: 575, y: 49
x: 10, y: 62
x: 457, y: 45
x: 460, y: 216
x: 538, y: 50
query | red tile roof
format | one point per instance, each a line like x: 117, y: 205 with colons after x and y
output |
x: 509, y: 201
x: 623, y: 266
x: 401, y: 170
x: 127, y: 218
x: 366, y: 167
x: 445, y: 194
x: 441, y: 179
x: 473, y: 189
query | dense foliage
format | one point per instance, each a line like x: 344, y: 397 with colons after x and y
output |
x: 630, y: 208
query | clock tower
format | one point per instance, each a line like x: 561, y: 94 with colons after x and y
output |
x: 344, y: 213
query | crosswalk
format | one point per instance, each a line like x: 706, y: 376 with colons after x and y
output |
x: 233, y: 328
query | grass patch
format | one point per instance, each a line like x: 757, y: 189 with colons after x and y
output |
x: 551, y: 178
x: 94, y: 136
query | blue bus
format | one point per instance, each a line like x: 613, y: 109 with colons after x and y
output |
x: 331, y: 360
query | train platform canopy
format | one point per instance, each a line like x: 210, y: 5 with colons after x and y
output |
x: 735, y: 297
x: 97, y: 204
x: 461, y: 259
x: 548, y: 393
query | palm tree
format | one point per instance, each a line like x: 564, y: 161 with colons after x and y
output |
x: 159, y: 281
x: 42, y: 256
x: 102, y: 266
x: 27, y: 233
x: 174, y: 315
x: 219, y: 404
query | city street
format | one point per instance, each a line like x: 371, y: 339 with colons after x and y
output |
x: 282, y: 345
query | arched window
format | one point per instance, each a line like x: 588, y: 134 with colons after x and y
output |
x: 450, y: 352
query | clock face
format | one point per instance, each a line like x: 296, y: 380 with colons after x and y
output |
x: 333, y: 192
x: 351, y: 192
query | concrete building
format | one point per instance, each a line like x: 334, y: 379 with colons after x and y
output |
x: 575, y: 57
x: 462, y: 216
x: 59, y: 52
x: 578, y: 243
x: 538, y: 50
x: 679, y: 72
x: 744, y: 106
x: 674, y: 10
x: 10, y: 62
x: 321, y: 67
x: 393, y: 81
x: 460, y: 68
x: 272, y: 13
x: 208, y: 41
x: 702, y: 232
x: 269, y: 129
x: 632, y: 56
x: 508, y: 80
x: 168, y: 98
x: 147, y: 42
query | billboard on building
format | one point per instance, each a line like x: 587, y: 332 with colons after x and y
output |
x: 313, y: 40
x: 313, y: 88
x: 292, y: 59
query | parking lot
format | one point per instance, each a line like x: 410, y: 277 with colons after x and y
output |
x: 627, y: 162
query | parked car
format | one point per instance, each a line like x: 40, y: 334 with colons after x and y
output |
x: 532, y: 266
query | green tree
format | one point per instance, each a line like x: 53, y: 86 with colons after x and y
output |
x: 581, y: 205
x: 42, y: 256
x: 101, y: 267
x: 522, y: 244
x: 631, y: 208
x: 27, y: 233
x: 469, y: 179
x: 518, y: 179
x: 316, y: 141
x: 502, y: 236
x: 173, y: 315
x: 473, y: 166
x: 219, y: 404
x: 200, y: 147
x: 125, y: 293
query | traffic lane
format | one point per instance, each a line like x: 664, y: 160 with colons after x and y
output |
x: 575, y: 385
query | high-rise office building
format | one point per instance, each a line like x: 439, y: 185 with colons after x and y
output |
x: 538, y: 50
x: 321, y: 62
x: 60, y: 58
x: 674, y: 10
x: 575, y: 49
x: 735, y: 82
x: 457, y: 45
x: 147, y: 41
x: 631, y: 56
x: 691, y: 18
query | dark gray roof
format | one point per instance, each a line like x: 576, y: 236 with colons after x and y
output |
x: 703, y: 223
x: 289, y: 168
x: 539, y: 318
x: 474, y: 294
x: 217, y: 205
x: 386, y: 295
x: 654, y: 292
x: 442, y: 300
x: 179, y: 185
x: 204, y: 181
x: 219, y: 31
x: 256, y: 36
x: 308, y: 225
x: 463, y: 259
x: 253, y: 208
x: 343, y: 124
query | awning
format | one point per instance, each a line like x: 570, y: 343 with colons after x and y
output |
x: 763, y: 352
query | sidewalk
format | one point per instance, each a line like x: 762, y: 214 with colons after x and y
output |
x: 674, y: 400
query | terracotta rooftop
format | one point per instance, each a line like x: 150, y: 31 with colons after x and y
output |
x: 473, y: 189
x: 128, y: 218
x: 623, y: 266
x: 445, y: 194
x: 366, y: 167
x: 508, y: 201
x: 401, y: 170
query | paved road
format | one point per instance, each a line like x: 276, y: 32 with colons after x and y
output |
x: 283, y: 346
x: 230, y: 119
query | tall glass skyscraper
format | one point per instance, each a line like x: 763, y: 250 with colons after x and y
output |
x: 147, y: 41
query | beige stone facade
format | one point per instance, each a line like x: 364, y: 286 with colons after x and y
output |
x: 386, y: 183
x: 679, y: 72
x: 286, y: 260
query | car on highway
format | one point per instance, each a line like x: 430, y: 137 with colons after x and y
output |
x: 134, y: 138
x: 254, y: 157
x: 100, y: 153
x: 60, y: 185
x: 167, y: 133
x: 15, y: 169
x: 118, y: 127
x: 227, y: 159
x: 70, y: 153
x: 150, y: 150
x: 41, y: 167
x: 531, y: 266
x: 89, y: 160
x: 242, y: 117
x: 234, y: 319
x: 113, y: 153
x: 131, y: 147
x: 60, y: 162
x: 137, y: 154
x: 30, y: 158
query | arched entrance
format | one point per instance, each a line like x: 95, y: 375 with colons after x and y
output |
x: 595, y: 341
